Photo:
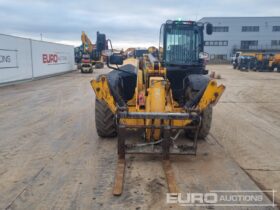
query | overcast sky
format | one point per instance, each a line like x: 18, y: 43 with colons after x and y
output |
x: 125, y: 22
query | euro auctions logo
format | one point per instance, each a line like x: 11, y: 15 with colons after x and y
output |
x: 192, y: 199
x: 50, y: 58
x: 55, y: 58
x: 222, y: 198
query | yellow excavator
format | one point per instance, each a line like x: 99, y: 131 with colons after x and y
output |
x: 86, y: 60
x: 93, y: 52
x: 162, y: 98
x: 87, y: 45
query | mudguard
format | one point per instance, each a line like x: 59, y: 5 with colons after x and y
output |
x: 198, y: 82
x: 122, y: 83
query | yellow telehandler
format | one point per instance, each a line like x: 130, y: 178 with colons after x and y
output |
x: 160, y: 97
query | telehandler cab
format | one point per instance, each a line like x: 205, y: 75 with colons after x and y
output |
x: 162, y: 97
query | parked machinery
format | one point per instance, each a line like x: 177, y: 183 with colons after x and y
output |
x: 256, y: 61
x: 274, y: 62
x: 129, y: 52
x: 162, y: 98
x: 86, y: 65
x: 154, y: 51
x: 234, y: 60
x: 139, y: 52
x: 261, y: 62
x: 93, y: 50
x: 100, y: 45
x: 87, y: 47
x: 245, y: 62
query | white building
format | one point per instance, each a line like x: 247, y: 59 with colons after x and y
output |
x: 245, y: 33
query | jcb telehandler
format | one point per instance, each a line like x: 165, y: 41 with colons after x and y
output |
x: 162, y: 98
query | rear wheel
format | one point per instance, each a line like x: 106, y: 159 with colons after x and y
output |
x: 104, y: 120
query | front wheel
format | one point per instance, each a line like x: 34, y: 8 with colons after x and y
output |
x: 206, y: 120
x: 104, y: 120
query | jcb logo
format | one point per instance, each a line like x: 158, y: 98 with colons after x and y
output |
x: 50, y: 58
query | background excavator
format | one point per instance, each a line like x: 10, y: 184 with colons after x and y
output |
x: 162, y: 98
x: 89, y: 55
x: 86, y: 57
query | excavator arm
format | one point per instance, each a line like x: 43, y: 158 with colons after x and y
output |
x: 87, y: 45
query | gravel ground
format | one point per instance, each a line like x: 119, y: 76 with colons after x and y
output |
x: 52, y: 158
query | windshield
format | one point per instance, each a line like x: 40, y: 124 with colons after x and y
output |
x: 182, y: 46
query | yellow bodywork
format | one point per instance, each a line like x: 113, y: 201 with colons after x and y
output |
x: 274, y: 60
x: 155, y: 88
x: 248, y: 54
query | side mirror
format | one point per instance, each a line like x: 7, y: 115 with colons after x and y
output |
x: 116, y: 59
x: 209, y: 28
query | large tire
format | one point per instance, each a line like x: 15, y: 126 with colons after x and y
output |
x: 206, y: 120
x: 104, y: 120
